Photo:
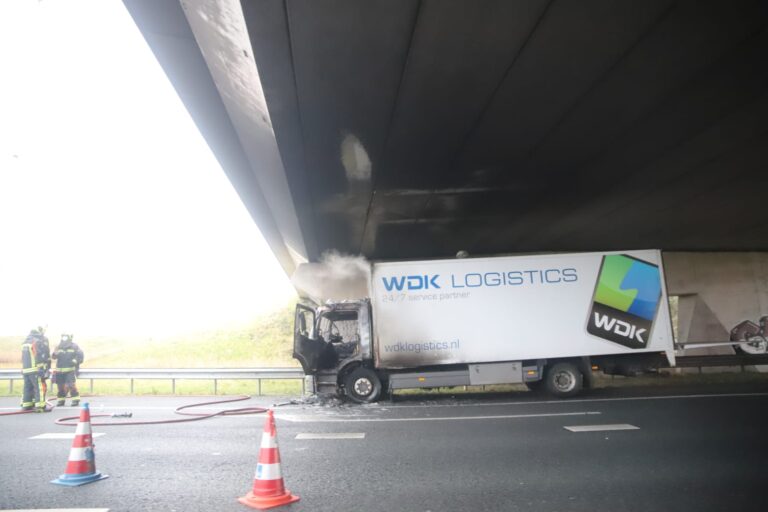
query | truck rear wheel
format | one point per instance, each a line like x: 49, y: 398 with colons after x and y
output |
x: 564, y: 380
x: 362, y: 385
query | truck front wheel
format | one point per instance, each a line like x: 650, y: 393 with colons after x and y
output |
x: 564, y: 380
x: 362, y: 385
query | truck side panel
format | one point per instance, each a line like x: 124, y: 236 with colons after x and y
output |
x: 519, y: 308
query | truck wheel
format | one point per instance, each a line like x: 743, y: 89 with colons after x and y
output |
x: 362, y: 385
x: 755, y: 345
x: 564, y: 380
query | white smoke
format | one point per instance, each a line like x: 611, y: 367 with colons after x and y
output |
x: 355, y: 159
x: 336, y: 277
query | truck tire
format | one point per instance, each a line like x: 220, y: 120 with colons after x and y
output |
x: 564, y: 380
x: 362, y: 385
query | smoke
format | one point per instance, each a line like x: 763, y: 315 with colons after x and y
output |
x: 355, y: 159
x: 336, y: 277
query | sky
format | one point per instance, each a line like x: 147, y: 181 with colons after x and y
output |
x: 115, y: 217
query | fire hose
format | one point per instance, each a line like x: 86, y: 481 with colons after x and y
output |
x: 49, y: 406
x: 194, y: 416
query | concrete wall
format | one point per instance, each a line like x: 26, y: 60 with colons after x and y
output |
x: 716, y: 291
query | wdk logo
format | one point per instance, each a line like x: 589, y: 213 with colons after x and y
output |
x: 401, y: 283
x: 626, y: 300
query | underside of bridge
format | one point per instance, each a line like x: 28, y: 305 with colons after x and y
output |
x: 418, y: 128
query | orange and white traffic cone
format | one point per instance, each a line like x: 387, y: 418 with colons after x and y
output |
x: 81, y: 467
x: 268, y: 486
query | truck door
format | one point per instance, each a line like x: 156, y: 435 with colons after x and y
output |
x: 304, y: 324
x: 309, y: 348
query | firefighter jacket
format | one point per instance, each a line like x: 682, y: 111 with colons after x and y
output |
x: 68, y: 357
x: 28, y: 355
x: 42, y: 353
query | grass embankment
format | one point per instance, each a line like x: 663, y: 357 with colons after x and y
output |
x: 266, y: 342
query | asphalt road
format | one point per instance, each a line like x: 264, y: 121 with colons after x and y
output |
x: 703, y: 448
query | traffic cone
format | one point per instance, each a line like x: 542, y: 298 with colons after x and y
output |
x: 81, y: 467
x: 268, y: 487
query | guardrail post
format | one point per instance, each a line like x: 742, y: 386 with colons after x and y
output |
x: 173, y: 386
x: 215, y: 386
x: 259, y: 387
x: 131, y: 386
x: 91, y: 386
x: 10, y: 386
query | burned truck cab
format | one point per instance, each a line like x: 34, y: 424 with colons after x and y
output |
x: 333, y: 344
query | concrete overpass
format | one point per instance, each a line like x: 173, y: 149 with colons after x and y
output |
x: 418, y: 128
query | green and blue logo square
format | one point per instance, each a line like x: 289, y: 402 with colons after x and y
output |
x: 626, y: 300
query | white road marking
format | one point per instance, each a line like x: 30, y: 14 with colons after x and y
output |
x: 332, y: 435
x: 306, y: 419
x: 63, y: 435
x: 601, y: 428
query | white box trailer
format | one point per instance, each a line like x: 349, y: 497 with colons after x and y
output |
x: 539, y: 319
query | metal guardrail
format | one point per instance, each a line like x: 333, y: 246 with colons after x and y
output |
x: 174, y: 374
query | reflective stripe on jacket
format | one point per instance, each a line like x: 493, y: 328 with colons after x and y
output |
x: 68, y: 358
x: 28, y: 357
x: 42, y: 353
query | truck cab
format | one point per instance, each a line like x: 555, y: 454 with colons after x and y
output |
x: 332, y: 342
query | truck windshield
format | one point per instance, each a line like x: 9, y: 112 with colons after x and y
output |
x: 342, y: 325
x: 342, y: 330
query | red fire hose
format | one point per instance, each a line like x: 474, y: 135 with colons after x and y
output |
x: 49, y: 406
x: 72, y: 420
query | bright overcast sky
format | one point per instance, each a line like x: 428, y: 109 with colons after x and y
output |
x: 115, y: 218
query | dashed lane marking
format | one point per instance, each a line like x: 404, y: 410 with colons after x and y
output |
x: 63, y: 435
x: 304, y: 419
x: 332, y: 435
x: 601, y: 428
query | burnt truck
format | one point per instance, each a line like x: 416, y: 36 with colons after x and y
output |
x: 543, y: 320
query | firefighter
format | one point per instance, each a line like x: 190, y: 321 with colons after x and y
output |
x: 31, y: 398
x: 68, y: 359
x: 43, y: 361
